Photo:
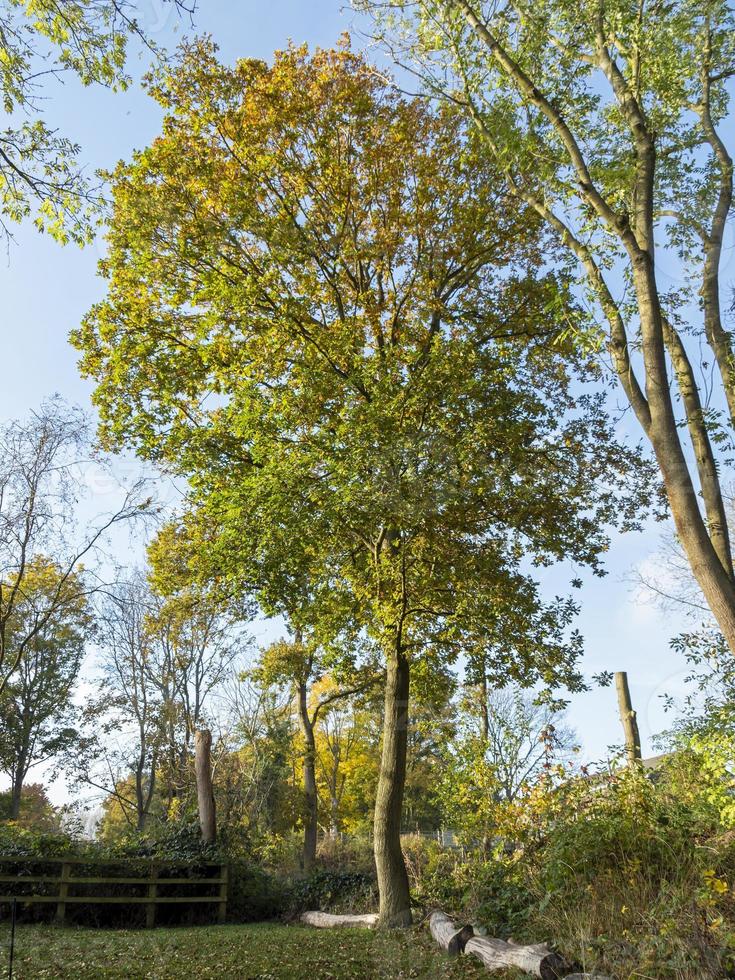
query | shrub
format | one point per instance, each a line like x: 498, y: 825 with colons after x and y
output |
x: 630, y: 875
x: 332, y: 891
x: 253, y: 895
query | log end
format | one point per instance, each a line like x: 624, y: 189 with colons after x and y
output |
x: 450, y: 936
x: 459, y: 940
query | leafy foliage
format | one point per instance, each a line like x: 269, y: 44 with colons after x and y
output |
x: 40, y: 173
x: 37, y: 714
x: 391, y: 416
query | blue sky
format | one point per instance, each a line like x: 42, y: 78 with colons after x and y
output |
x: 47, y: 289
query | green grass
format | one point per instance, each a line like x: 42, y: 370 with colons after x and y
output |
x: 247, y: 952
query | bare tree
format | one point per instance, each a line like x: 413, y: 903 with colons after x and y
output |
x: 197, y: 643
x: 160, y: 663
x: 128, y: 707
x: 42, y: 463
x: 518, y: 736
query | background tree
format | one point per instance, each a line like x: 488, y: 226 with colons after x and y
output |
x: 37, y: 711
x: 255, y: 784
x: 42, y: 463
x: 36, y: 810
x: 515, y: 735
x: 393, y: 412
x: 347, y: 766
x: 608, y: 120
x: 301, y: 665
x: 197, y: 644
x: 431, y: 729
x: 127, y: 712
x: 161, y: 661
x: 40, y: 173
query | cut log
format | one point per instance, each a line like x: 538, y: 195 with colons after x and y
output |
x: 538, y: 959
x: 587, y: 976
x: 325, y: 920
x: 450, y: 936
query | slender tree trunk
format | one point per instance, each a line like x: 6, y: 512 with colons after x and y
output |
x: 334, y: 818
x: 704, y: 539
x: 485, y: 728
x: 628, y: 719
x: 484, y: 709
x: 16, y: 797
x: 713, y: 577
x: 310, y: 795
x: 140, y: 807
x: 395, y: 899
x: 205, y: 793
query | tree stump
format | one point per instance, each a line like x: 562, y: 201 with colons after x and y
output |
x: 537, y: 959
x: 450, y: 936
x: 205, y: 793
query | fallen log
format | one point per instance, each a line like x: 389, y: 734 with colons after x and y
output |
x: 448, y: 934
x: 325, y: 920
x: 538, y: 959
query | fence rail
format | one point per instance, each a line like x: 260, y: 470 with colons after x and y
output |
x: 65, y: 881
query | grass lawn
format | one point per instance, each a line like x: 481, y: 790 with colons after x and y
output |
x: 247, y: 952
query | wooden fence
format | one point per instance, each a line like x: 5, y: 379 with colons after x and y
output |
x: 67, y: 884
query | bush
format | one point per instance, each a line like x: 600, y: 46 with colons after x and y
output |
x: 253, y: 895
x: 332, y: 891
x: 347, y: 854
x: 628, y: 875
x: 632, y: 877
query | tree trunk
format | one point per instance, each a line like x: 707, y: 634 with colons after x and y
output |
x: 325, y: 920
x: 704, y: 538
x: 334, y: 818
x: 395, y: 899
x: 16, y: 797
x: 450, y: 936
x: 628, y: 719
x: 538, y: 960
x: 714, y: 578
x: 486, y: 843
x: 310, y: 794
x: 205, y: 793
x: 484, y: 708
x: 141, y: 811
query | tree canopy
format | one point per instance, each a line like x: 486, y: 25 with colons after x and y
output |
x: 40, y: 172
x: 609, y: 121
x: 326, y: 313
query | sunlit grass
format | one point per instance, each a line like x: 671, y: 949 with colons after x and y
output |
x: 248, y: 952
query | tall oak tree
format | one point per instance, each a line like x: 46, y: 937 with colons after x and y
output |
x: 328, y: 315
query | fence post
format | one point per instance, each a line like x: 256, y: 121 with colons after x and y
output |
x: 150, y: 909
x: 63, y: 892
x: 222, y: 909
